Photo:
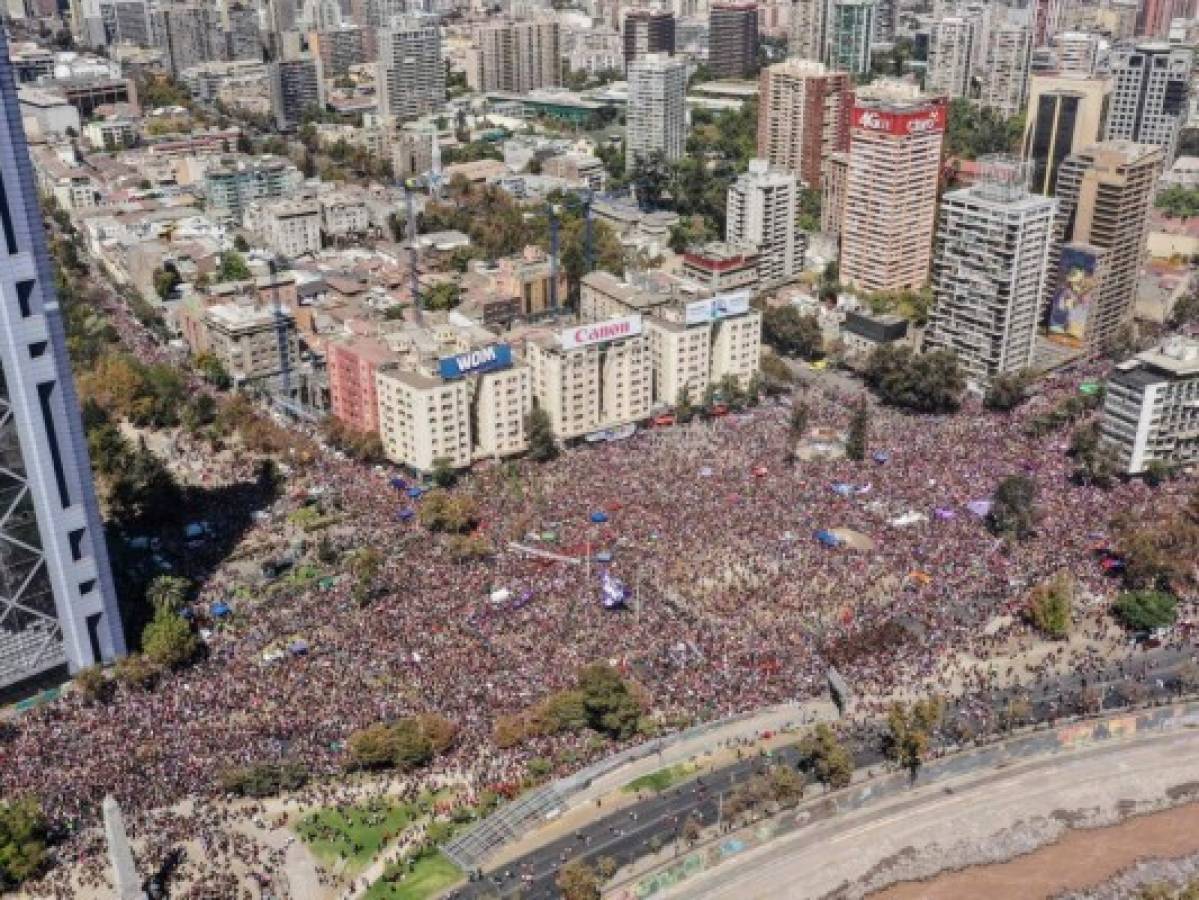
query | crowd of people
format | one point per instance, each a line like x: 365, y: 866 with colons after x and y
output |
x: 730, y: 602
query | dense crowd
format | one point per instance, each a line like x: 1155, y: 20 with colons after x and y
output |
x: 732, y: 603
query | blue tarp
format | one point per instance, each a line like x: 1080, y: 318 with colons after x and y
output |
x: 599, y: 517
x: 405, y: 514
x: 399, y: 484
x: 842, y: 489
x: 220, y: 608
x: 604, y: 556
x: 828, y: 538
x: 414, y: 492
x: 880, y: 456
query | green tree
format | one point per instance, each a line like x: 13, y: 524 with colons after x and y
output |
x: 542, y: 444
x: 684, y: 406
x: 1095, y: 462
x: 213, y: 371
x: 1178, y: 202
x: 1145, y: 610
x: 143, y: 490
x: 240, y: 244
x: 1007, y: 391
x: 909, y: 732
x: 233, y: 267
x: 826, y: 757
x: 165, y: 282
x: 801, y: 415
x: 792, y: 334
x: 578, y: 881
x: 929, y: 382
x: 23, y: 836
x: 650, y: 176
x: 92, y: 685
x: 1051, y: 606
x: 975, y: 131
x: 859, y: 431
x: 373, y: 747
x: 612, y: 708
x: 1014, y: 507
x: 443, y: 473
x: 443, y: 296
x: 168, y: 640
x: 413, y: 748
x: 168, y: 590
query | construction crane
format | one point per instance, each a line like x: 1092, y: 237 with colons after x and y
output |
x: 411, y: 186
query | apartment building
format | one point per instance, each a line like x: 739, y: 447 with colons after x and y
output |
x: 233, y: 183
x: 732, y: 39
x: 352, y: 365
x: 761, y: 210
x: 720, y: 267
x: 252, y: 341
x: 950, y: 56
x: 647, y: 32
x: 803, y: 117
x: 697, y: 344
x: 289, y: 227
x: 1152, y: 85
x: 1005, y: 81
x: 656, y: 120
x: 515, y: 56
x: 411, y: 72
x: 1064, y: 113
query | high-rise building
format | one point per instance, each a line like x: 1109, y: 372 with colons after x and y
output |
x: 1104, y: 193
x: 243, y: 39
x: 187, y: 34
x: 657, y: 117
x: 803, y: 116
x: 1154, y: 16
x: 761, y: 210
x: 411, y: 72
x: 1009, y: 53
x: 832, y: 193
x: 990, y: 265
x: 808, y: 25
x: 338, y: 49
x: 950, y: 55
x: 1077, y: 53
x: 850, y: 32
x: 1151, y: 407
x: 891, y: 193
x: 516, y: 57
x: 1150, y: 95
x: 884, y: 21
x: 296, y: 88
x: 733, y: 39
x: 1064, y: 113
x: 647, y: 31
x: 58, y: 606
x: 132, y: 22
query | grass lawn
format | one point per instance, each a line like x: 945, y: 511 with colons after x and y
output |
x: 431, y: 875
x: 660, y: 780
x: 354, y: 832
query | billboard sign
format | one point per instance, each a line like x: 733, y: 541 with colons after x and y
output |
x: 928, y: 119
x: 1073, y: 302
x: 476, y: 362
x: 600, y: 332
x: 719, y: 307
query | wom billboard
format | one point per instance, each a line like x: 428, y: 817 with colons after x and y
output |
x: 600, y: 332
x: 719, y: 307
x: 475, y: 362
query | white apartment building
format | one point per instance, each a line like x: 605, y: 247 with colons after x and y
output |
x: 761, y: 210
x: 1152, y: 83
x: 1077, y: 53
x: 697, y: 344
x: 593, y: 376
x: 344, y: 216
x: 515, y: 56
x: 950, y: 54
x: 289, y: 227
x: 990, y: 268
x: 1009, y: 56
x: 464, y: 407
x: 1151, y: 407
x: 411, y: 73
x: 594, y: 50
x: 656, y: 117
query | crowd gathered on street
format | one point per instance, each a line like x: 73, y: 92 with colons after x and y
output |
x: 729, y: 602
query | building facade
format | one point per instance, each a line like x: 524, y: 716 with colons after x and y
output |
x: 1005, y: 82
x: 990, y: 267
x: 850, y: 32
x: 297, y: 87
x: 803, y: 117
x: 761, y: 210
x: 647, y: 32
x: 352, y: 367
x: 411, y: 73
x: 1151, y: 408
x: 808, y: 29
x: 1104, y: 194
x: 1064, y: 113
x: 516, y: 57
x: 1077, y: 53
x: 950, y: 56
x: 733, y: 39
x: 58, y: 604
x: 1150, y: 95
x: 657, y: 118
x: 891, y: 183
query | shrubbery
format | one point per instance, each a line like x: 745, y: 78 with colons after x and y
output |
x: 264, y: 779
x: 405, y: 744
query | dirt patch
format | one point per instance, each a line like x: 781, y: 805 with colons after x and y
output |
x: 1081, y: 859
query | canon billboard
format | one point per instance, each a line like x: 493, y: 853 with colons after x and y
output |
x: 600, y: 332
x: 929, y: 119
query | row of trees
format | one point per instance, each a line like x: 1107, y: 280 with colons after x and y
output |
x: 406, y: 744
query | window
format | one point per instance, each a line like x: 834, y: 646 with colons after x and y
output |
x: 76, y: 539
x: 45, y: 391
x: 24, y: 294
x: 10, y: 236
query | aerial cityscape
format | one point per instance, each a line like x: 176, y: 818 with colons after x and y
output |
x: 599, y: 449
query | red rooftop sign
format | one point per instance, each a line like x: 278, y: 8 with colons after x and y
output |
x: 930, y: 119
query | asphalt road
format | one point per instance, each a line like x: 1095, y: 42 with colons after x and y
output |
x: 657, y: 821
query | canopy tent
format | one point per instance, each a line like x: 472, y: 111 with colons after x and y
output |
x: 405, y: 514
x: 980, y: 508
x: 945, y: 513
x: 399, y: 484
x: 220, y: 609
x: 908, y: 518
x: 604, y: 556
x: 842, y: 489
x: 827, y: 538
x: 852, y: 539
x: 880, y: 456
x: 502, y: 595
x: 599, y: 517
x: 415, y: 492
x: 705, y: 472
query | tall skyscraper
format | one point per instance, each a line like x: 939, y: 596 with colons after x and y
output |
x: 950, y: 54
x: 1077, y: 53
x: 57, y: 601
x: 1005, y: 84
x: 647, y: 31
x: 803, y: 116
x: 243, y: 39
x: 1149, y: 99
x: 884, y: 21
x: 761, y: 210
x: 891, y: 193
x: 808, y: 28
x: 1064, y: 113
x: 411, y: 72
x: 1104, y: 193
x: 517, y: 57
x: 850, y: 32
x: 733, y: 39
x: 1154, y: 16
x: 296, y: 87
x: 187, y: 34
x: 657, y: 115
x: 990, y: 266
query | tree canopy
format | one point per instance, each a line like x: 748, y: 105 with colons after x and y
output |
x: 790, y: 333
x: 1178, y: 202
x: 1013, y: 507
x: 975, y: 131
x: 23, y: 833
x: 1145, y: 610
x: 929, y: 382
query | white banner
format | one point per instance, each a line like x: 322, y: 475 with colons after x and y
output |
x: 719, y: 307
x: 599, y: 332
